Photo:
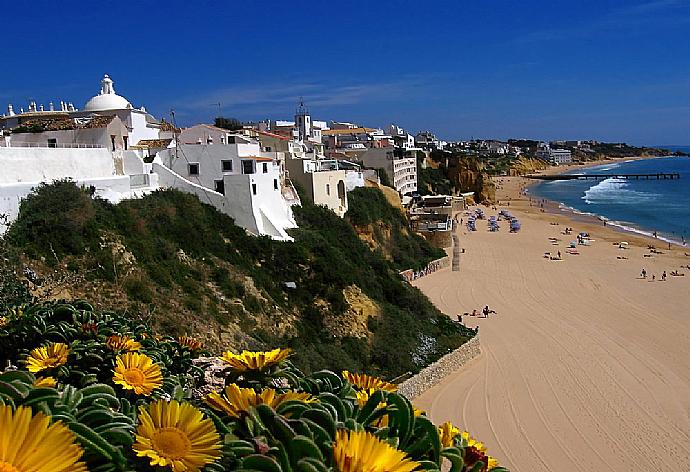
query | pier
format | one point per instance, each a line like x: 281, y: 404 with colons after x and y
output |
x: 657, y: 176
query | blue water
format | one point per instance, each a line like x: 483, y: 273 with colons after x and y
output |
x: 642, y: 206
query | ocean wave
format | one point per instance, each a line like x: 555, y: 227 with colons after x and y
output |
x: 613, y: 190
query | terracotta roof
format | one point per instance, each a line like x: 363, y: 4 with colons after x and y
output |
x: 62, y: 123
x: 333, y: 132
x: 165, y: 126
x: 154, y: 143
x: 256, y: 158
x: 273, y: 135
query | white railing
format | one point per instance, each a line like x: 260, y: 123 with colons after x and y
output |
x: 54, y: 146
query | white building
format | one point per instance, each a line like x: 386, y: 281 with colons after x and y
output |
x: 555, y: 156
x: 231, y: 172
x: 90, y: 146
x: 140, y: 124
x: 400, y: 166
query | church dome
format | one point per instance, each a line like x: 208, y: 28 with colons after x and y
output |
x: 107, y: 99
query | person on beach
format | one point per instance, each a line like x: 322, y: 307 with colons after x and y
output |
x: 644, y: 274
x: 559, y: 254
x: 653, y: 277
x: 663, y: 276
x: 459, y: 318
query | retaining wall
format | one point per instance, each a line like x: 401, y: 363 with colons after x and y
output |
x: 434, y: 373
x: 439, y: 263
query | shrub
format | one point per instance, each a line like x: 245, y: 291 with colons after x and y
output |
x: 56, y: 219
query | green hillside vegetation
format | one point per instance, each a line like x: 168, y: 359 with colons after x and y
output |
x: 189, y: 269
x: 370, y: 212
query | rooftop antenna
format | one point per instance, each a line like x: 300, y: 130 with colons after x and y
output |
x: 172, y: 120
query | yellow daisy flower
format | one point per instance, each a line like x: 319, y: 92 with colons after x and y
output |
x: 237, y: 400
x: 361, y: 451
x: 45, y: 382
x: 176, y: 435
x: 250, y: 360
x: 447, y: 433
x: 47, y: 357
x: 366, y: 382
x: 137, y: 372
x: 122, y: 343
x: 190, y: 343
x: 3, y: 321
x: 31, y: 443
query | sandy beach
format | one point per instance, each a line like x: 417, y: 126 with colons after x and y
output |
x: 586, y: 365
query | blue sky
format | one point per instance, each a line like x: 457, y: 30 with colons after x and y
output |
x: 609, y: 70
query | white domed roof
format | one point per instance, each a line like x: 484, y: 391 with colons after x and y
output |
x: 107, y: 99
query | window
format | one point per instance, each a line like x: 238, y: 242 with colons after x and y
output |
x: 112, y: 140
x: 254, y: 189
x: 275, y: 184
x: 247, y: 166
x: 52, y: 143
x: 226, y: 166
x: 219, y: 186
x: 124, y: 141
x: 193, y: 169
x: 265, y: 166
x: 328, y: 189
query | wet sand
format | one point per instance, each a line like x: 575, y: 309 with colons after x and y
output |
x: 585, y: 366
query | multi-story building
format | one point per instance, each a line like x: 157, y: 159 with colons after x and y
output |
x: 555, y: 156
x: 400, y: 165
x: 427, y: 141
x: 233, y: 173
x: 323, y: 181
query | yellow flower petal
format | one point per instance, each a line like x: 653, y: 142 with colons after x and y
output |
x: 31, y: 443
x: 176, y: 435
x: 47, y: 357
x: 134, y: 371
x: 250, y: 360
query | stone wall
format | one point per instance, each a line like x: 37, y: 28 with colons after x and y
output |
x: 432, y: 267
x: 434, y: 373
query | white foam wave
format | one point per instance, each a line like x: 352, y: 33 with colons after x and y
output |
x: 613, y: 190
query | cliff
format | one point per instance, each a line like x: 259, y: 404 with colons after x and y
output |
x: 456, y: 173
x: 189, y: 270
x: 526, y: 165
x: 385, y: 229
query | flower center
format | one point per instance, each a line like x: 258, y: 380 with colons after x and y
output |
x: 7, y: 467
x: 134, y: 376
x: 171, y: 443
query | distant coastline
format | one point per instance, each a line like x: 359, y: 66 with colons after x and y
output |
x: 674, y: 234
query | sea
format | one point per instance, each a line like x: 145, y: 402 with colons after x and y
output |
x: 639, y: 206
